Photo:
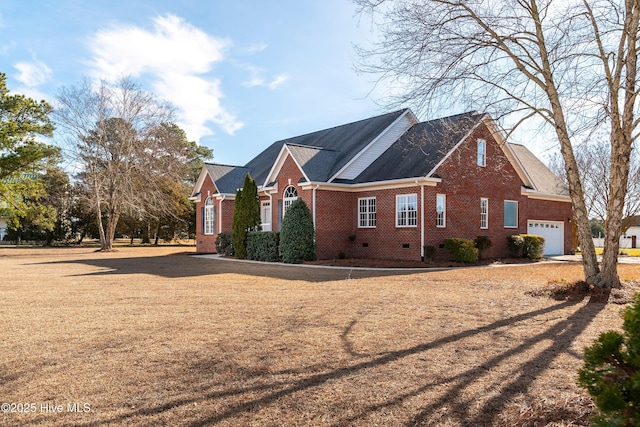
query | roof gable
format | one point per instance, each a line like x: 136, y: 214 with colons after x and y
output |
x: 346, y: 141
x: 541, y: 178
x: 420, y: 150
x: 226, y: 178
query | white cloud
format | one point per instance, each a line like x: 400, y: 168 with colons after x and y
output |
x: 254, y: 48
x: 178, y: 58
x: 278, y: 81
x: 257, y: 79
x: 33, y: 73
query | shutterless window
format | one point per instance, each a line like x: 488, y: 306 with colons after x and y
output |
x: 441, y: 210
x: 484, y: 213
x: 406, y: 210
x: 367, y: 212
x: 482, y: 152
x: 289, y: 196
x: 510, y: 214
x: 209, y: 216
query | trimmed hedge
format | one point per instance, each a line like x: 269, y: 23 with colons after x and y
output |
x: 482, y: 243
x: 526, y: 245
x: 297, y: 235
x: 515, y: 244
x: 224, y: 244
x: 461, y: 250
x: 429, y: 252
x: 263, y: 246
x: 533, y: 247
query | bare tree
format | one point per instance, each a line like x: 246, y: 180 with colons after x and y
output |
x: 594, y: 163
x: 127, y: 150
x: 572, y: 64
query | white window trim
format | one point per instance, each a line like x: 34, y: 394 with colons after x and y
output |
x: 287, y: 201
x: 444, y: 211
x: 368, y: 220
x: 483, y: 162
x: 517, y: 214
x: 407, y: 225
x: 265, y: 205
x: 209, y: 217
x: 485, y: 213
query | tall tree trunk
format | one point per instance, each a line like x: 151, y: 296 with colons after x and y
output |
x: 112, y: 223
x: 103, y: 239
x: 576, y: 191
x: 145, y: 233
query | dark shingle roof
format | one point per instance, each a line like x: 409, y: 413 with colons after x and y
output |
x: 542, y: 178
x: 334, y: 147
x: 420, y: 149
x: 227, y: 178
x: 316, y: 162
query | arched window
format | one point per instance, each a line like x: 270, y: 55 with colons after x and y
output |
x: 290, y: 194
x: 209, y: 217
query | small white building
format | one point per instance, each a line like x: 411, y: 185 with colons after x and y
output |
x: 630, y: 239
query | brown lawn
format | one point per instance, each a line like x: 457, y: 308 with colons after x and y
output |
x: 153, y: 336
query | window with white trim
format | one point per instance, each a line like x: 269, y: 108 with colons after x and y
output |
x: 484, y: 213
x: 406, y: 210
x: 289, y: 196
x: 510, y: 214
x: 441, y: 210
x: 482, y: 152
x: 265, y: 215
x: 209, y: 217
x: 367, y: 212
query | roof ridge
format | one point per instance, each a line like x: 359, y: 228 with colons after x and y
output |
x: 309, y: 146
x: 342, y: 125
x: 222, y: 164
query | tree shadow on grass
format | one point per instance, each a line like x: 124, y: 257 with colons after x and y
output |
x: 185, y: 265
x: 559, y: 336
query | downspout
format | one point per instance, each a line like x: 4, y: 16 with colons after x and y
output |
x: 270, y: 195
x: 313, y: 202
x: 421, y: 221
x: 220, y: 214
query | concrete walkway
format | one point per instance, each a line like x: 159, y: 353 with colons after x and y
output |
x: 622, y: 259
x: 559, y: 258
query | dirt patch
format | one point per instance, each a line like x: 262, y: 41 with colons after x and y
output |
x: 155, y: 336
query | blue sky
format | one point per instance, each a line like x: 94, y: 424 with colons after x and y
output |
x: 242, y: 74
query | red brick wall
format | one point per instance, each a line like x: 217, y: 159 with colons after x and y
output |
x: 465, y: 183
x: 335, y: 221
x: 337, y: 218
x: 206, y: 243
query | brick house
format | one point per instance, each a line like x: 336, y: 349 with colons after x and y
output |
x: 396, y: 185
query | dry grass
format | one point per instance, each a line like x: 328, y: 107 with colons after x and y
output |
x: 148, y: 336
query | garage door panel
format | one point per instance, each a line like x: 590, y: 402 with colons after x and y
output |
x: 553, y: 233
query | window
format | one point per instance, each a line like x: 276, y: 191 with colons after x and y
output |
x: 290, y: 195
x: 510, y: 214
x: 209, y: 217
x: 484, y: 213
x: 265, y: 215
x: 482, y: 152
x: 406, y: 210
x: 367, y: 212
x: 441, y: 210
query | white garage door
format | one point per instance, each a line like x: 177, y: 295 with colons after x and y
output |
x: 553, y: 233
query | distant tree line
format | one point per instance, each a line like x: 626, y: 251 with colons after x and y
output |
x: 132, y: 168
